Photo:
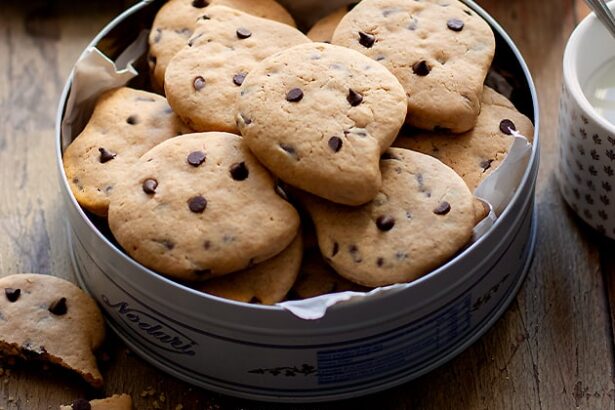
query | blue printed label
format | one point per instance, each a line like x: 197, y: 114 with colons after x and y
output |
x: 405, y: 348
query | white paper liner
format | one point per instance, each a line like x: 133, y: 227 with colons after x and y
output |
x: 94, y: 74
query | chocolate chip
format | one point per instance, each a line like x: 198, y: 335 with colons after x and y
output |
x: 354, y: 98
x: 81, y: 404
x: 294, y: 95
x: 335, y: 143
x: 198, y: 83
x: 256, y: 300
x: 442, y: 209
x: 385, y: 222
x: 288, y: 148
x: 335, y: 250
x: 197, y: 204
x: 486, y: 164
x: 380, y: 262
x: 207, y: 244
x: 106, y: 156
x: 421, y: 68
x: 506, y: 126
x: 196, y: 158
x: 150, y: 185
x: 199, y: 4
x: 58, y: 307
x: 167, y: 243
x: 132, y: 120
x: 455, y: 24
x: 12, y: 294
x: 366, y: 40
x: 238, y: 78
x: 243, y: 33
x: 468, y: 12
x: 239, y: 171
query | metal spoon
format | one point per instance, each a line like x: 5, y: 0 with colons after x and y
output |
x: 603, y: 13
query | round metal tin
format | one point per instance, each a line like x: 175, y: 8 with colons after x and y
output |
x: 267, y: 353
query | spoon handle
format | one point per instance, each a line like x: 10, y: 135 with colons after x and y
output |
x: 603, y: 13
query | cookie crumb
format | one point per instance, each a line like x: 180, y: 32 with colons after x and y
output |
x: 148, y: 392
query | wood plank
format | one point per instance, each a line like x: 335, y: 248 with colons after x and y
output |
x: 552, y: 349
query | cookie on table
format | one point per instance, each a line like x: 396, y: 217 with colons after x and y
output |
x: 115, y: 402
x: 202, y: 80
x: 439, y: 50
x: 323, y: 29
x: 266, y: 283
x: 199, y: 206
x: 176, y: 20
x: 422, y: 216
x: 475, y: 154
x: 319, y: 116
x: 47, y: 318
x: 125, y: 124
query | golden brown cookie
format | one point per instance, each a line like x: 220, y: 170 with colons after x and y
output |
x: 439, y: 50
x: 266, y: 283
x: 202, y: 80
x: 475, y: 154
x: 199, y: 206
x: 422, y: 216
x: 319, y: 116
x: 176, y: 20
x: 125, y: 124
x: 50, y: 319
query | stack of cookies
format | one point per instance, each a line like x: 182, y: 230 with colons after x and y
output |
x: 283, y: 166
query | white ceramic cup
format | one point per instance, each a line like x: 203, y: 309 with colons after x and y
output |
x: 587, y: 140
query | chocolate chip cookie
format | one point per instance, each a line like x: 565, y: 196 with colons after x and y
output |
x: 125, y: 124
x: 203, y: 79
x: 199, y: 206
x: 440, y: 51
x: 422, y: 216
x: 319, y: 116
x: 47, y: 318
x: 176, y: 20
x: 475, y: 154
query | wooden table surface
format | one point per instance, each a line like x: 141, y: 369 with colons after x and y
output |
x: 552, y: 349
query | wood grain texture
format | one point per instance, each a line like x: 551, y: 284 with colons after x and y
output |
x: 553, y: 348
